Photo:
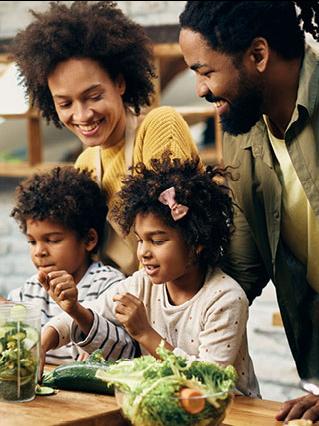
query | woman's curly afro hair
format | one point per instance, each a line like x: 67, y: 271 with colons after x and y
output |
x: 209, y: 221
x: 63, y: 195
x: 95, y: 30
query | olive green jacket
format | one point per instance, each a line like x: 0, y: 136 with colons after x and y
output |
x: 257, y: 252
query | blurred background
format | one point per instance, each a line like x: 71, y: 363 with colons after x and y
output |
x: 23, y: 135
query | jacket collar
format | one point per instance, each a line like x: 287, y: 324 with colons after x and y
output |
x: 307, y: 100
x: 307, y: 96
x: 257, y: 141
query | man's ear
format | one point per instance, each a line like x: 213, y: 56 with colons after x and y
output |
x: 258, y: 53
x: 91, y: 239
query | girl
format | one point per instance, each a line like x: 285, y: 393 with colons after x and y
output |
x: 182, y: 219
x: 94, y: 74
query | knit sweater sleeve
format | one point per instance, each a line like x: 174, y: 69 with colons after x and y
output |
x: 87, y: 160
x: 163, y: 129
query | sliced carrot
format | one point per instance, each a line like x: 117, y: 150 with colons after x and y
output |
x: 192, y: 400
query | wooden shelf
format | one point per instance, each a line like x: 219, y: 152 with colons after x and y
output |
x: 24, y: 169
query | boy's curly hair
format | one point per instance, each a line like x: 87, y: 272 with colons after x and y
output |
x: 66, y: 196
x: 94, y: 30
x: 209, y: 221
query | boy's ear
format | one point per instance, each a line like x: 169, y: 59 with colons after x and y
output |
x: 91, y: 239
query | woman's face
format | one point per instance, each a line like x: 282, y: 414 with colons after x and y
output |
x: 88, y: 102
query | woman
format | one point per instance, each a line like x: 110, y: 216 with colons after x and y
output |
x: 89, y: 68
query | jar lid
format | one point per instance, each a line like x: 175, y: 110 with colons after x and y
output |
x: 19, y: 311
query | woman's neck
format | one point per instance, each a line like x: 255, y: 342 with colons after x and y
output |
x: 118, y: 134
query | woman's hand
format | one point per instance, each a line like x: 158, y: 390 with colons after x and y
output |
x: 61, y: 287
x: 305, y: 407
x: 131, y: 313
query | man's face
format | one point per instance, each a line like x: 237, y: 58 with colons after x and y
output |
x: 235, y: 90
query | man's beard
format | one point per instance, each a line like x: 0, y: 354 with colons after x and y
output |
x: 245, y: 110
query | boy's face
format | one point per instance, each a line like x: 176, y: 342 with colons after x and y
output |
x: 88, y: 102
x: 236, y: 90
x: 55, y: 248
x: 162, y: 251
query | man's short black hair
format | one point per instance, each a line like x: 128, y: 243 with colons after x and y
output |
x: 231, y: 26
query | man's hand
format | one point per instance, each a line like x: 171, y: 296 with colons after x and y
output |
x: 131, y: 313
x: 61, y: 287
x: 305, y: 407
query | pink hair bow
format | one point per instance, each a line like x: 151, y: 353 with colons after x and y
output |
x: 167, y: 197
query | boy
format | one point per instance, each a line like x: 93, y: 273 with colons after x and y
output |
x: 62, y: 212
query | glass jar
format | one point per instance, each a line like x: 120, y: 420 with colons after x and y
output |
x: 19, y: 350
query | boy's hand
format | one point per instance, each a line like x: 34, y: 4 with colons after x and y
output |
x: 61, y: 287
x: 49, y: 340
x: 131, y: 313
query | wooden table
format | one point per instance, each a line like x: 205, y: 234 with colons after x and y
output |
x: 84, y: 409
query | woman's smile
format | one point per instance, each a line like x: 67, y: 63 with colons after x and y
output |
x: 90, y: 130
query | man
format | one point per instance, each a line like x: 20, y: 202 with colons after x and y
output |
x: 251, y: 59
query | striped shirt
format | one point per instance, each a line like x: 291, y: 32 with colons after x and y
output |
x: 97, y: 279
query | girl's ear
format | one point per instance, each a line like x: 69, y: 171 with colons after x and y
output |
x: 91, y: 239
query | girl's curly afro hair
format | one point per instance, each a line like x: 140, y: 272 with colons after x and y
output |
x: 86, y: 29
x: 63, y: 195
x: 209, y: 221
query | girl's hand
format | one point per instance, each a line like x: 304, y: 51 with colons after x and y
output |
x: 131, y: 313
x: 62, y: 289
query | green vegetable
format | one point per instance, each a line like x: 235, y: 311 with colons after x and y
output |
x: 44, y: 390
x: 19, y: 345
x: 79, y: 376
x: 150, y: 389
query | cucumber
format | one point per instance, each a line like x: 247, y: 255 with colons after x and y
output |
x: 44, y: 390
x: 77, y: 376
x: 18, y: 313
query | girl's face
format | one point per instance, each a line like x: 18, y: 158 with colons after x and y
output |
x: 55, y: 248
x: 88, y: 102
x: 162, y: 251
